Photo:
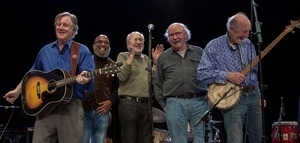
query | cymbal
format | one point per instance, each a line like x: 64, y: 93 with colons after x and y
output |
x: 158, y: 115
x: 215, y: 122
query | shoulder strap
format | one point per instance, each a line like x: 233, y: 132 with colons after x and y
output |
x: 74, y: 56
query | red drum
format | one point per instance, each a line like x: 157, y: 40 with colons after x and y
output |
x: 286, y: 132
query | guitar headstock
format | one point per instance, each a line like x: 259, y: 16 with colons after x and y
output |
x: 294, y: 24
x: 111, y: 69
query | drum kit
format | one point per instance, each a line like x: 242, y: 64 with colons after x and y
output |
x: 162, y: 136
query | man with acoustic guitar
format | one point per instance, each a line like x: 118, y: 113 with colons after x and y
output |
x: 46, y: 92
x: 231, y: 89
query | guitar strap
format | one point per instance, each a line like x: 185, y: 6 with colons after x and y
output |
x: 74, y: 56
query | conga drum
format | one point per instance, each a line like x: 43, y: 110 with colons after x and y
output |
x: 285, y: 132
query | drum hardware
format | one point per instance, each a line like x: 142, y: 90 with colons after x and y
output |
x: 211, y: 134
x: 214, y: 133
x: 215, y: 122
x: 216, y: 138
x: 160, y: 135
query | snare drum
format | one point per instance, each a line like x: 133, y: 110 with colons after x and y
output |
x: 160, y: 135
x: 287, y: 133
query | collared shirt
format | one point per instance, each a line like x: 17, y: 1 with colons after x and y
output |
x: 50, y: 58
x: 177, y: 75
x: 219, y: 58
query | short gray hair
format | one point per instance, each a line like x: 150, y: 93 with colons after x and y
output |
x: 73, y: 18
x: 185, y: 28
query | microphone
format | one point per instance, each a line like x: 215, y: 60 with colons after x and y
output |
x: 282, y: 106
x: 150, y: 27
x: 257, y: 23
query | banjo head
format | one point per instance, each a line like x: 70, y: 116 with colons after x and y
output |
x: 224, y: 96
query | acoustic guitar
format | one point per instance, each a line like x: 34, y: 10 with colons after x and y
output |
x: 43, y: 91
x: 226, y: 96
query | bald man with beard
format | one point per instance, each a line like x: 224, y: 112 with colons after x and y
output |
x: 97, y: 104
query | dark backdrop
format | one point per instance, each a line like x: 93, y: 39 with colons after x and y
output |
x: 27, y: 26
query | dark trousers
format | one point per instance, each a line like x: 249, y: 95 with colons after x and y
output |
x: 136, y: 126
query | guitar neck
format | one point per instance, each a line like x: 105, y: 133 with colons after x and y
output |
x: 263, y: 53
x: 270, y: 46
x: 102, y: 71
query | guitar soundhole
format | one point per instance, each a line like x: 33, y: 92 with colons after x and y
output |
x: 51, y: 87
x: 51, y: 90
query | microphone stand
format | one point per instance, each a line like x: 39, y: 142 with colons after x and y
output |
x: 205, y: 118
x: 259, y: 42
x: 149, y: 69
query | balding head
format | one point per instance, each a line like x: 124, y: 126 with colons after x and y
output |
x: 101, y: 46
x: 237, y: 20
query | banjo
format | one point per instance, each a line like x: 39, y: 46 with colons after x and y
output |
x: 226, y: 96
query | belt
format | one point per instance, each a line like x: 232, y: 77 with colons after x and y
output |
x: 188, y: 96
x: 137, y: 99
x: 247, y: 88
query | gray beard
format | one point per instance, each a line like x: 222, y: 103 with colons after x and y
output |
x: 102, y: 55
